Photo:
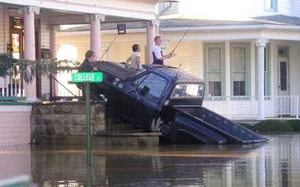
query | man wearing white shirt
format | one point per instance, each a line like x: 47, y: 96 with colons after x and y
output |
x: 134, y: 59
x: 158, y: 57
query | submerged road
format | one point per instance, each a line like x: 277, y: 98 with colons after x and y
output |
x: 273, y: 164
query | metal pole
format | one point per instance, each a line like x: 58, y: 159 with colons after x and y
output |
x: 297, y: 105
x: 88, y: 122
x: 88, y: 130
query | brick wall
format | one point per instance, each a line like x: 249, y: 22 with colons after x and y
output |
x: 14, y: 125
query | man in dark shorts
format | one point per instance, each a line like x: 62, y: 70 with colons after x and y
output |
x: 158, y: 57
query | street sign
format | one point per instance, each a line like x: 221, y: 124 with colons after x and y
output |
x: 86, y: 77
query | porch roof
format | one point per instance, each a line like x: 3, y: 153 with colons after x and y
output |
x: 280, y: 19
x: 268, y: 22
x: 142, y: 9
x: 167, y: 23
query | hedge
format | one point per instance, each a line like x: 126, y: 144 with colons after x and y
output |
x: 273, y: 126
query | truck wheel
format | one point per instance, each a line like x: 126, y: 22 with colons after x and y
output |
x: 156, y: 124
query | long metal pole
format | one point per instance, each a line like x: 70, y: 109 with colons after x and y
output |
x: 88, y: 121
x: 88, y: 132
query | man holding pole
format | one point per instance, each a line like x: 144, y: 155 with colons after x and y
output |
x: 158, y: 57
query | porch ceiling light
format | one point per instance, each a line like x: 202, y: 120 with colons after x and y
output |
x: 121, y: 28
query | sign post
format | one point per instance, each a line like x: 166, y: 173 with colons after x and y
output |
x: 86, y: 78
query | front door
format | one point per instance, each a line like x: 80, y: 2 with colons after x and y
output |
x: 284, y: 101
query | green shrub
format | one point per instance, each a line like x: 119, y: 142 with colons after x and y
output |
x: 273, y: 126
x: 295, y: 125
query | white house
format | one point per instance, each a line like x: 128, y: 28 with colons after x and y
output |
x: 250, y: 64
x: 28, y: 30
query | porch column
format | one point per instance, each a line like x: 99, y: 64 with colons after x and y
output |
x: 227, y: 71
x: 261, y: 44
x: 150, y: 40
x: 53, y: 49
x: 95, y: 35
x: 53, y: 55
x: 156, y: 25
x: 29, y: 51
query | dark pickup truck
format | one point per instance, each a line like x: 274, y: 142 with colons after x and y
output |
x: 167, y: 100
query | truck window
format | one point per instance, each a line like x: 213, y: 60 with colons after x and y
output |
x: 188, y: 90
x: 139, y: 80
x: 155, y: 83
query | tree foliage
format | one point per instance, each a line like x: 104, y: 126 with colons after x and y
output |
x: 10, y: 67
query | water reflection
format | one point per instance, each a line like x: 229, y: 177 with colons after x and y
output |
x: 273, y: 164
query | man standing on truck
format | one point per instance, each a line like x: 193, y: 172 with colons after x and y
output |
x: 134, y: 59
x: 158, y: 57
x: 86, y: 65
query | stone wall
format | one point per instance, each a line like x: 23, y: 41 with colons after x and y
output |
x: 61, y: 120
x: 64, y: 124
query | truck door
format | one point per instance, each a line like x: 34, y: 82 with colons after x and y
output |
x: 151, y: 91
x: 147, y: 95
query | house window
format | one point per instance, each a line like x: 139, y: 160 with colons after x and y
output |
x: 239, y: 69
x: 239, y: 88
x: 283, y: 76
x: 15, y: 47
x: 171, y: 9
x: 214, y: 88
x: 214, y: 69
x: 271, y: 5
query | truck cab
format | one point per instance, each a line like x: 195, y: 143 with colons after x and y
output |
x: 168, y: 100
x: 147, y: 94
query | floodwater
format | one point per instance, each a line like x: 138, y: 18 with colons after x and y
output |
x: 276, y: 163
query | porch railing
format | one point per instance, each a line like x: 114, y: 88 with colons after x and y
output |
x: 11, y: 88
x: 60, y: 87
x: 246, y: 107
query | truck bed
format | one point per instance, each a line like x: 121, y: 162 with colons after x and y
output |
x: 210, y: 127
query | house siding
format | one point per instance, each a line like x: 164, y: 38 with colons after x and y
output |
x: 295, y: 4
x: 14, y: 125
x: 294, y: 68
x: 286, y: 7
x: 4, y: 29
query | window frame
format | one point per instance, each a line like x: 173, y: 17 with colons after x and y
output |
x: 247, y: 72
x: 220, y: 45
x: 275, y: 5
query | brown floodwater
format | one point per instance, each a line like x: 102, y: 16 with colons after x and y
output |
x: 276, y: 163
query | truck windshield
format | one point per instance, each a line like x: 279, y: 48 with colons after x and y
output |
x: 188, y: 90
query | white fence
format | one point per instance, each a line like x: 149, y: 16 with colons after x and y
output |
x: 11, y: 87
x: 247, y: 107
